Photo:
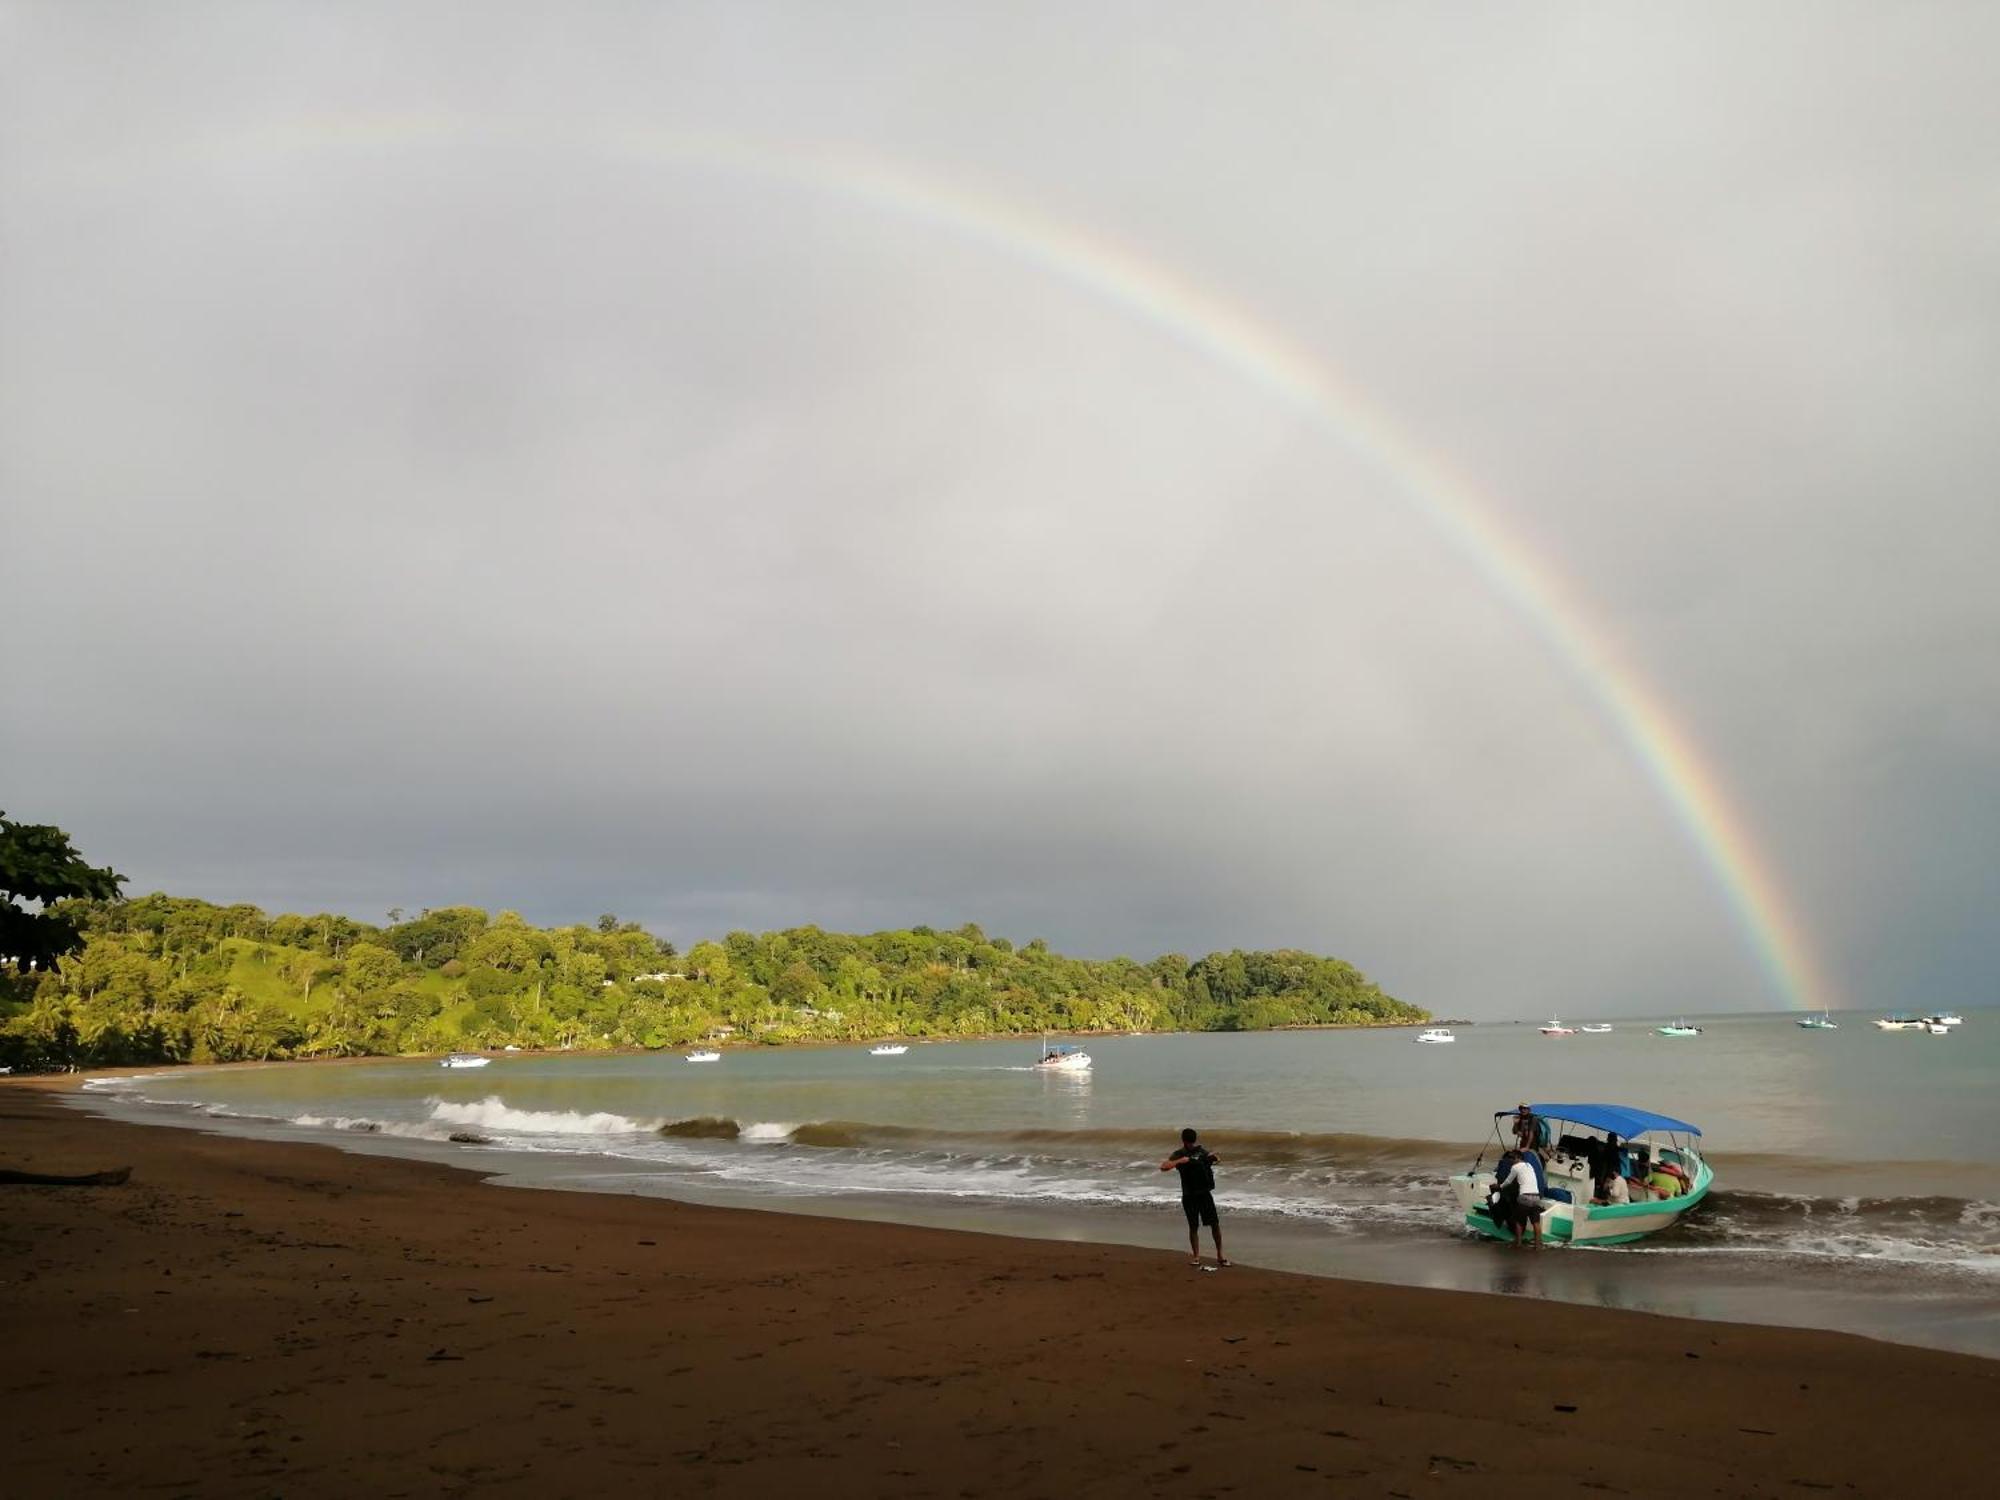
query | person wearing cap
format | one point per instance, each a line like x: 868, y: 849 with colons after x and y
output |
x: 1524, y: 1128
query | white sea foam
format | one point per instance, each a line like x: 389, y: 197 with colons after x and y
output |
x: 125, y: 1083
x: 1855, y: 1250
x: 493, y: 1113
x: 416, y: 1130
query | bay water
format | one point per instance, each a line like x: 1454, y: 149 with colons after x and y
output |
x: 1856, y: 1183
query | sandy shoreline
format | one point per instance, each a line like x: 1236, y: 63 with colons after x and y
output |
x: 252, y: 1317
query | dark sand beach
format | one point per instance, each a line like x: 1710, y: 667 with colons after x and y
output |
x: 258, y: 1318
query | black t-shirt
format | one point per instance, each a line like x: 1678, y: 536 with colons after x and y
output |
x: 1196, y: 1170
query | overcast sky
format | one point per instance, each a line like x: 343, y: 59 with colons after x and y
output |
x: 422, y: 482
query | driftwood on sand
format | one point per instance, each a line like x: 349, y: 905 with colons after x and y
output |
x: 112, y: 1178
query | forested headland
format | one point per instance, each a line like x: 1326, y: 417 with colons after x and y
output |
x: 171, y: 979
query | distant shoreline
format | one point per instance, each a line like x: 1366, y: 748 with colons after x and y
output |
x: 723, y: 1044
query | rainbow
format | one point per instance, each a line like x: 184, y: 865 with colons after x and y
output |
x: 1253, y: 351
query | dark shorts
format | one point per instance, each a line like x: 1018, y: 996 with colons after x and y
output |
x: 1199, y: 1208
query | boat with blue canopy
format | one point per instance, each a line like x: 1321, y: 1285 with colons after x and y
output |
x: 1650, y: 1163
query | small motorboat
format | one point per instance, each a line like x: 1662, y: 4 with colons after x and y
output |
x: 1678, y: 1028
x: 1946, y: 1018
x: 1937, y: 1028
x: 1062, y: 1058
x: 1597, y: 1030
x: 1900, y: 1023
x: 1556, y: 1028
x: 464, y: 1060
x: 1436, y: 1034
x: 1820, y: 1022
x: 1650, y: 1144
x: 704, y: 1054
x: 888, y: 1049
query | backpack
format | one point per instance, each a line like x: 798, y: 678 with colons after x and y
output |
x: 1198, y: 1175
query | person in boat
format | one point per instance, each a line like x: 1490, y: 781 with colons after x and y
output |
x: 1516, y: 1198
x: 1525, y: 1129
x: 1196, y: 1164
x: 1611, y: 1189
x: 1676, y: 1175
x: 1605, y: 1158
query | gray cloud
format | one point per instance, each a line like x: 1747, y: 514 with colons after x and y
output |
x: 401, y: 514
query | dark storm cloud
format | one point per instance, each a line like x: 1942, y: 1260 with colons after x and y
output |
x: 398, y: 514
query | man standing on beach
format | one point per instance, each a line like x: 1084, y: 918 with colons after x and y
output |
x: 1196, y: 1164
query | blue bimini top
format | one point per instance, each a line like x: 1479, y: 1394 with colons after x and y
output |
x: 1622, y: 1119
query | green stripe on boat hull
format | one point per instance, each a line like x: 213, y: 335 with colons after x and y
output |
x: 1560, y: 1228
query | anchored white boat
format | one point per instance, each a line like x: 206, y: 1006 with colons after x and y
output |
x: 1820, y: 1022
x: 703, y: 1054
x: 1062, y: 1058
x: 1937, y: 1028
x: 1900, y: 1023
x: 1436, y: 1034
x: 1598, y: 1030
x: 464, y: 1060
x: 1946, y: 1018
x: 1653, y: 1149
x: 888, y: 1049
x: 1556, y: 1028
x: 1678, y: 1028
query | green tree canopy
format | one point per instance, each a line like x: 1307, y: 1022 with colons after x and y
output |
x: 38, y: 866
x: 170, y: 979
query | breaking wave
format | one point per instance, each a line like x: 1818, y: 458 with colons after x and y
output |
x: 406, y: 1129
x: 1920, y: 1229
x: 1300, y: 1150
x: 491, y: 1113
x: 1896, y: 1216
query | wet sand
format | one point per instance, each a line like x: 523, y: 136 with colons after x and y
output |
x: 258, y: 1318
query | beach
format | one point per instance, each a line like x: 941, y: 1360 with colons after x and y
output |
x: 258, y: 1317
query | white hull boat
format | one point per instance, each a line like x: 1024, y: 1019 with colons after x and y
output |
x: 1678, y: 1028
x: 1568, y: 1216
x: 1556, y: 1028
x: 1062, y: 1059
x: 1436, y: 1034
x: 888, y: 1049
x: 1820, y: 1022
x: 1947, y: 1019
x: 1595, y: 1030
x: 704, y: 1055
x: 1900, y: 1023
x: 465, y: 1060
x: 1066, y: 1062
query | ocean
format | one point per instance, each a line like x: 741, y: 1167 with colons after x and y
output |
x: 1856, y: 1185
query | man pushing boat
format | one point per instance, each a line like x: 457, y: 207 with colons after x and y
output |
x: 1196, y: 1164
